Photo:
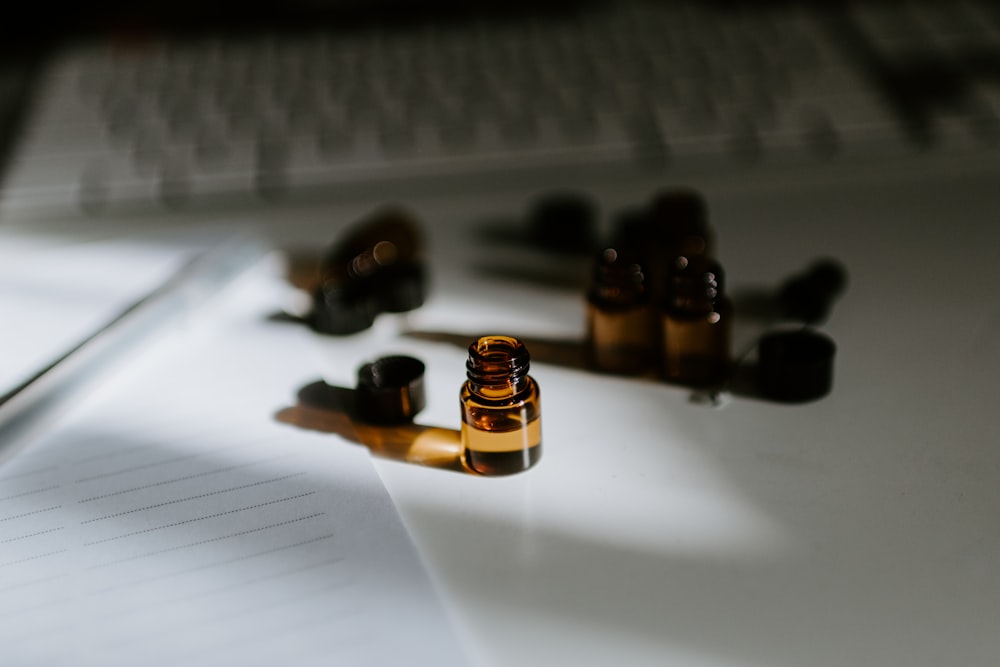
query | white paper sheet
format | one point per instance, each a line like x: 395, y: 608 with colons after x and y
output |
x: 53, y: 295
x: 172, y: 520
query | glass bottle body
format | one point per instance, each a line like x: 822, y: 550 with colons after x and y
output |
x: 620, y: 341
x: 696, y: 324
x: 501, y: 437
x: 501, y: 409
x: 696, y: 345
x: 621, y: 322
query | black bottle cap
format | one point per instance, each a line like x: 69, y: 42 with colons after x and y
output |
x: 563, y: 222
x: 377, y: 267
x: 795, y: 366
x: 390, y: 390
x: 678, y: 217
x: 389, y: 235
x: 400, y: 288
x: 680, y: 204
x: 630, y: 229
x: 339, y: 313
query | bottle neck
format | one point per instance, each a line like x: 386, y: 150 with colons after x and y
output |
x: 617, y: 280
x: 695, y: 286
x: 497, y: 366
x: 679, y: 219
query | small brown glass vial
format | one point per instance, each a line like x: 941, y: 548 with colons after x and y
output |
x: 696, y: 324
x: 501, y: 414
x: 621, y: 321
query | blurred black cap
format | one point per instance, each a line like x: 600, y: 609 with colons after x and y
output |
x: 795, y: 366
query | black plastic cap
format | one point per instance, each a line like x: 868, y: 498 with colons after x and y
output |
x: 795, y: 366
x: 390, y: 390
x: 563, y: 222
x: 680, y: 204
x: 400, y: 289
x: 377, y: 267
x: 337, y: 313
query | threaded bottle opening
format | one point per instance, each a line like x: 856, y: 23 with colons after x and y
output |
x: 617, y: 279
x: 695, y: 284
x: 619, y: 268
x: 497, y: 361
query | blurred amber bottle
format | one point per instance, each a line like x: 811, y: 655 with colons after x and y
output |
x: 696, y: 324
x: 622, y: 327
x: 681, y: 216
x: 501, y: 413
x: 674, y: 224
x: 377, y: 267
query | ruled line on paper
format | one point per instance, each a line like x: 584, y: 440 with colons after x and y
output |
x: 35, y: 534
x: 29, y: 473
x: 154, y: 464
x: 201, y: 518
x: 31, y: 513
x: 184, y: 478
x: 206, y: 541
x: 207, y: 494
x: 30, y: 493
x: 36, y: 557
x: 208, y: 566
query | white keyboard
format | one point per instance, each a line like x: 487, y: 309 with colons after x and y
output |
x: 683, y: 86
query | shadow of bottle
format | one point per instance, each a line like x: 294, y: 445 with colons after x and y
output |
x: 331, y: 409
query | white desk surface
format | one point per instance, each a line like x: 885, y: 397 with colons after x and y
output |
x: 859, y: 529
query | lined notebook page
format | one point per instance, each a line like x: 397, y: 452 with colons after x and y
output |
x: 171, y: 520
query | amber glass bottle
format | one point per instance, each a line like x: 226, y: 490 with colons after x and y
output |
x: 696, y: 322
x: 501, y: 415
x: 621, y: 322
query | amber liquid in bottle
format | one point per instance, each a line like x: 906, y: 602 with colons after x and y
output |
x: 696, y: 325
x: 501, y: 414
x: 621, y: 322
